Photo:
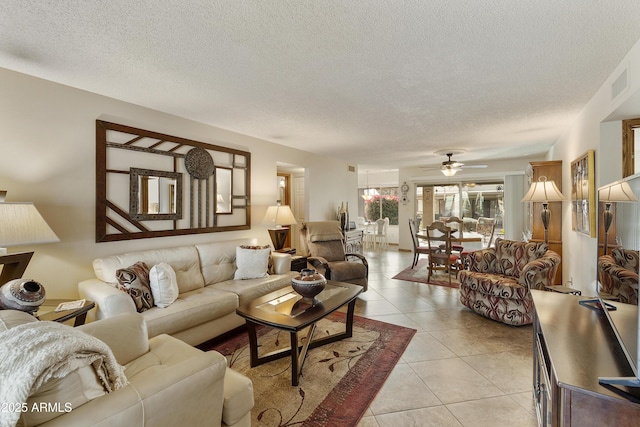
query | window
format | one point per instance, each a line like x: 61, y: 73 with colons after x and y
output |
x: 464, y: 200
x: 378, y: 203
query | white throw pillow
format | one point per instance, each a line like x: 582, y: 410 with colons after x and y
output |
x: 252, y: 262
x: 164, y: 286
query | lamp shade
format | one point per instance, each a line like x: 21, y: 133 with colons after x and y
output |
x: 543, y: 191
x: 278, y: 216
x: 619, y: 191
x: 449, y: 171
x: 22, y: 224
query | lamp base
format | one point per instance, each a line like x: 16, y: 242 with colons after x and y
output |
x: 545, y: 214
x: 278, y: 237
x: 14, y: 265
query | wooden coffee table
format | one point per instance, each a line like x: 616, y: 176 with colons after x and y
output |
x: 287, y: 311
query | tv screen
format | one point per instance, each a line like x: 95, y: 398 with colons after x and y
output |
x: 618, y: 260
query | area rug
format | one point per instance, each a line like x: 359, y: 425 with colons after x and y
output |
x: 338, y: 382
x: 420, y: 272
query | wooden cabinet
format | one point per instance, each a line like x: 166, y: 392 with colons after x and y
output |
x: 574, y: 346
x: 553, y: 171
x: 353, y: 241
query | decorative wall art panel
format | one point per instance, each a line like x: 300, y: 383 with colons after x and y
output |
x: 583, y: 200
x: 152, y: 185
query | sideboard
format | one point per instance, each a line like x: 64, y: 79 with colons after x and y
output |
x: 353, y: 241
x: 573, y: 345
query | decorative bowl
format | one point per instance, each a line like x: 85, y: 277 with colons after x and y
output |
x: 308, y: 283
x: 22, y: 294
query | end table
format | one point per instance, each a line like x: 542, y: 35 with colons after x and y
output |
x: 563, y: 289
x: 298, y: 263
x: 47, y: 312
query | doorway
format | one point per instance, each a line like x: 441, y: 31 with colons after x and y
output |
x: 291, y: 192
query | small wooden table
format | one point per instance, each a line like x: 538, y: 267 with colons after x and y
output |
x: 286, y: 310
x: 563, y: 289
x: 47, y: 312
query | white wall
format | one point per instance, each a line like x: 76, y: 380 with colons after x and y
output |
x: 47, y: 156
x: 597, y: 127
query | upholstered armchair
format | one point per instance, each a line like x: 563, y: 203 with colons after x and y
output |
x: 323, y: 243
x: 499, y: 279
x: 618, y: 274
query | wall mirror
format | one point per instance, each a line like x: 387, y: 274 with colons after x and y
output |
x: 155, y: 194
x: 617, y: 266
x: 152, y: 185
x: 224, y: 187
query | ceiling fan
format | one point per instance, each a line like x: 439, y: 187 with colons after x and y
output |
x: 450, y: 167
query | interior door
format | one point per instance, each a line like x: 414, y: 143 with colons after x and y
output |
x: 298, y: 208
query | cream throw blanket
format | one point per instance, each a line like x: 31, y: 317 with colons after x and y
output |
x: 33, y: 353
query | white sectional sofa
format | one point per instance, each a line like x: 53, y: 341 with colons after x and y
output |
x: 170, y: 383
x: 208, y: 293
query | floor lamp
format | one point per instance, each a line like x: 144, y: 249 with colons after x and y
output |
x: 20, y: 224
x: 277, y: 217
x: 618, y: 192
x: 543, y: 191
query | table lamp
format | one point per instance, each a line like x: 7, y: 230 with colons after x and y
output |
x: 618, y: 192
x: 20, y: 224
x: 277, y: 217
x: 543, y: 191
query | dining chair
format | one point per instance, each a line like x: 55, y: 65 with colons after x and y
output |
x: 456, y: 225
x: 440, y: 255
x: 380, y: 234
x: 417, y: 248
x: 368, y: 240
x: 486, y: 227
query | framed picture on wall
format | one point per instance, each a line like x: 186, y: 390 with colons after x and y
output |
x: 583, y: 210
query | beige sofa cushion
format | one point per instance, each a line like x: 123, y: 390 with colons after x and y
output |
x: 184, y: 260
x: 218, y: 259
x: 72, y: 391
x: 238, y: 397
x: 189, y: 310
x: 69, y: 392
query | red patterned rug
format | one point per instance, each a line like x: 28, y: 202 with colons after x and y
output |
x: 339, y: 380
x: 420, y: 272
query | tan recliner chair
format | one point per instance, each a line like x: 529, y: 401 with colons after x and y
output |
x: 323, y: 243
x: 170, y: 382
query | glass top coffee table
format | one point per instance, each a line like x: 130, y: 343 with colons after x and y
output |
x: 288, y: 311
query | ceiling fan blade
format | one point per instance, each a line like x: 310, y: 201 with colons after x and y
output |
x: 473, y: 166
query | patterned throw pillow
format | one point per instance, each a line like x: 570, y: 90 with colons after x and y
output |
x: 134, y: 280
x: 252, y: 262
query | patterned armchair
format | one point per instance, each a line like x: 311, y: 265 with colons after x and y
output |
x: 618, y: 274
x: 498, y: 280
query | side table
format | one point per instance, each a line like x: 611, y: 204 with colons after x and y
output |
x: 563, y: 289
x: 47, y: 312
x: 298, y: 262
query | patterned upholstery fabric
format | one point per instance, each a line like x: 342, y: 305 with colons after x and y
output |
x: 498, y: 280
x: 617, y: 272
x: 134, y: 280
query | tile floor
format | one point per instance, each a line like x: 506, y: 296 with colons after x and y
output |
x: 460, y: 369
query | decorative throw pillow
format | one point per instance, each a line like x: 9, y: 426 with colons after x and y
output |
x: 252, y: 262
x: 134, y: 280
x: 164, y: 286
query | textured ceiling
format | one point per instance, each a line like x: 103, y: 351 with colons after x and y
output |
x: 378, y: 83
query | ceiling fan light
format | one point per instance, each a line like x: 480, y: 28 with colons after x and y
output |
x: 449, y: 171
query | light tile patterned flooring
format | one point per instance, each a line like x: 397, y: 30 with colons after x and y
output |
x: 460, y: 369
